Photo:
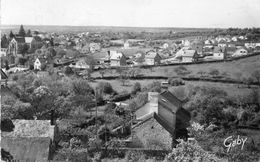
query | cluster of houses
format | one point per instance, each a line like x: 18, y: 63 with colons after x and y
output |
x: 43, y: 49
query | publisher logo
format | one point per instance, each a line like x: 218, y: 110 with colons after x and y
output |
x: 231, y: 142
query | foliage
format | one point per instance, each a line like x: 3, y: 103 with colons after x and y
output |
x: 153, y: 87
x: 182, y: 70
x: 7, y: 125
x: 134, y: 156
x: 81, y: 87
x: 186, y: 151
x: 176, y: 82
x: 105, y: 87
x: 110, y: 108
x: 104, y: 133
x: 256, y: 75
x: 68, y: 70
x: 22, y: 31
x: 214, y: 72
x: 136, y: 88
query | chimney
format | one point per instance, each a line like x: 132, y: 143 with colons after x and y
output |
x: 153, y: 101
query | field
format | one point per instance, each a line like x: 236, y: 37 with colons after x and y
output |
x: 245, y: 66
x: 77, y: 29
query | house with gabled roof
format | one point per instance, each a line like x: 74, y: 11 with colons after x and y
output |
x: 190, y: 56
x: 30, y: 140
x: 165, y: 120
x: 117, y: 58
x: 152, y: 58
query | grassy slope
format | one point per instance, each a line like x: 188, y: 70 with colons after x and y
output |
x: 244, y: 66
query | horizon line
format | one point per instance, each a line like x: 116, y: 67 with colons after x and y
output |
x: 123, y: 26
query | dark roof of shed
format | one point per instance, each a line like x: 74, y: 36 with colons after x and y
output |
x: 3, y: 75
x: 171, y: 98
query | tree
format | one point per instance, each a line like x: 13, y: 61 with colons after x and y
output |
x: 104, y: 133
x: 4, y: 41
x: 214, y: 72
x: 256, y: 76
x: 136, y: 88
x: 11, y: 35
x: 22, y: 31
x: 201, y: 73
x: 29, y: 34
x: 186, y: 151
x: 68, y: 70
x: 42, y: 101
x: 6, y: 65
x: 102, y: 72
x: 24, y: 49
x: 105, y: 87
x: 181, y: 70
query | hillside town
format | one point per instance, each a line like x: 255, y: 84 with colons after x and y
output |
x: 89, y: 97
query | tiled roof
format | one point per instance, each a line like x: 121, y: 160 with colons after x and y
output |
x: 171, y: 98
x: 158, y: 119
x: 20, y: 39
x: 3, y: 75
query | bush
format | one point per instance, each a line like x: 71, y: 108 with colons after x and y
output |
x: 110, y: 108
x: 104, y: 133
x: 190, y: 152
x: 7, y: 125
x: 136, y: 88
x: 182, y: 70
x: 68, y: 70
x: 15, y: 78
x: 214, y: 72
x: 176, y: 82
x: 120, y: 97
x: 105, y: 87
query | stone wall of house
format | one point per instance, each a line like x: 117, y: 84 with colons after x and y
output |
x: 151, y: 135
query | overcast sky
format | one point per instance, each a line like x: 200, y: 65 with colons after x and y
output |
x: 138, y: 13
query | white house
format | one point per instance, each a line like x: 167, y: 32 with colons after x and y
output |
x: 81, y: 64
x: 38, y: 63
x: 240, y: 52
x: 218, y: 53
x: 117, y: 58
x: 152, y: 58
x: 189, y: 56
x: 126, y: 45
x: 165, y: 45
x: 93, y: 47
x: 234, y: 39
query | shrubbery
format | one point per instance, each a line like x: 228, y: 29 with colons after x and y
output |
x: 176, y: 82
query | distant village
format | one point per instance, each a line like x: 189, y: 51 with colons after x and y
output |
x: 37, y: 50
x: 57, y: 105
